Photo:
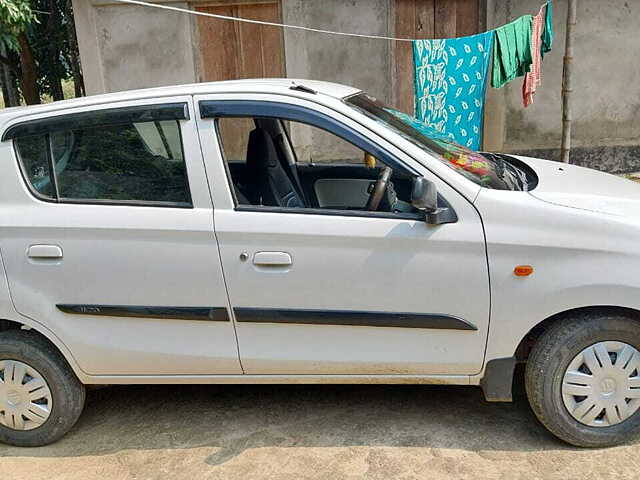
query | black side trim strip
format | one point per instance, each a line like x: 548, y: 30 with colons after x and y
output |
x: 353, y: 318
x: 109, y: 116
x: 332, y: 212
x: 211, y: 314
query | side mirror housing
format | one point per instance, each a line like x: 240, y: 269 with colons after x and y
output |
x: 424, y: 197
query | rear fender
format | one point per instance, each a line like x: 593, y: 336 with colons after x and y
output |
x: 8, y: 312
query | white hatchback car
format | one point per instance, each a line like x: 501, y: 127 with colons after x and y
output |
x: 278, y: 231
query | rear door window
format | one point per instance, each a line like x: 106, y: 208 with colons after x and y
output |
x: 118, y: 161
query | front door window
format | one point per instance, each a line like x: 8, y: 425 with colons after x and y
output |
x: 274, y: 162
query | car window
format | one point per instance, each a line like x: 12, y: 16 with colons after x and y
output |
x: 35, y: 163
x: 315, y: 145
x: 486, y: 170
x: 235, y: 133
x: 133, y: 161
x: 290, y: 164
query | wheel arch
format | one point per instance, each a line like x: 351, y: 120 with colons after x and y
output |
x: 35, y: 328
x: 499, y: 373
x: 526, y: 343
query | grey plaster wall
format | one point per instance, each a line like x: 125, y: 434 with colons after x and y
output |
x: 363, y: 63
x: 125, y: 47
x: 606, y: 96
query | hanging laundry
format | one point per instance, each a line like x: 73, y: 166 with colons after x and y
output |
x: 512, y: 51
x: 547, y: 34
x: 532, y: 78
x: 450, y: 83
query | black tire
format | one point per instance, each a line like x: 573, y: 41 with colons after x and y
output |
x: 546, y: 366
x: 67, y: 393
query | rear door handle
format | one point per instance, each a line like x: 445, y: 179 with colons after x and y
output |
x: 272, y: 259
x: 44, y: 251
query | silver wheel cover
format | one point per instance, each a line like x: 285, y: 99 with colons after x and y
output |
x: 25, y: 398
x: 601, y: 386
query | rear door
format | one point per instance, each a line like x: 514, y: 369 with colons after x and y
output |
x: 346, y: 292
x: 111, y: 244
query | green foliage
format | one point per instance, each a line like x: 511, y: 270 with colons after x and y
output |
x: 15, y: 17
x: 38, y: 45
x: 49, y: 42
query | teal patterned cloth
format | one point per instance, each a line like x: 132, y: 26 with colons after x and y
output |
x: 450, y: 83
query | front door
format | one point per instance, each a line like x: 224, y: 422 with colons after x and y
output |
x: 110, y: 245
x: 341, y: 291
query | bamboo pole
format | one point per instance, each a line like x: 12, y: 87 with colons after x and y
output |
x: 565, y: 148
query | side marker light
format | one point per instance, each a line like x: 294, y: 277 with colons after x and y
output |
x: 523, y: 270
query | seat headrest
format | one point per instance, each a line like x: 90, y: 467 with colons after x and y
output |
x: 260, y: 149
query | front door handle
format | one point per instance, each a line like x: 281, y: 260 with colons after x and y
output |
x: 44, y: 251
x: 272, y: 259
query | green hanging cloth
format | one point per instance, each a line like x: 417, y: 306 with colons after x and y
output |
x: 511, y: 51
x: 547, y: 34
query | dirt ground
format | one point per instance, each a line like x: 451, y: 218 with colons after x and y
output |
x: 309, y: 432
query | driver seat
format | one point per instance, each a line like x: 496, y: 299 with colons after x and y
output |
x: 268, y: 183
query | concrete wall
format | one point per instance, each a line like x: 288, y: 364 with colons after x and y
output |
x: 606, y: 96
x: 128, y: 46
x: 363, y: 63
x: 125, y: 46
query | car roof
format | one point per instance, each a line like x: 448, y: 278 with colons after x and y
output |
x: 262, y: 85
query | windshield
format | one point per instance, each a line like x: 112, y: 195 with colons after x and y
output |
x: 487, y: 170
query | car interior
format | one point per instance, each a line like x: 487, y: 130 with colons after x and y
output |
x: 276, y: 163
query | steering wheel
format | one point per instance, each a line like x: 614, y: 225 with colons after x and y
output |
x: 379, y: 189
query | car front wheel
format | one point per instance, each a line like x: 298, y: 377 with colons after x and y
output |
x: 583, y: 379
x: 40, y: 397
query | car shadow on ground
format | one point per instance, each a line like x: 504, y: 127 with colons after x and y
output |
x: 235, y: 418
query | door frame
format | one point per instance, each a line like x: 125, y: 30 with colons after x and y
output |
x: 226, y: 211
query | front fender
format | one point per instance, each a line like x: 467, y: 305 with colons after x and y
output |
x: 580, y: 259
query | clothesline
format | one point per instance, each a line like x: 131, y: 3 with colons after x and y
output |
x: 450, y: 74
x: 260, y: 22
x: 449, y: 97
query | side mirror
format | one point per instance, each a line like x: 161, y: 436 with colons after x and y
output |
x: 424, y: 197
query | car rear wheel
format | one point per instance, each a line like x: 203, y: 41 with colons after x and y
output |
x: 40, y: 397
x: 583, y: 379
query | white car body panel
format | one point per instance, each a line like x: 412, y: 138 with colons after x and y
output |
x: 578, y: 229
x: 6, y: 305
x: 344, y: 263
x: 580, y: 259
x: 109, y: 251
x: 336, y: 267
x: 584, y: 188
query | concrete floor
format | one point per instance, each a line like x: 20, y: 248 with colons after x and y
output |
x: 309, y: 432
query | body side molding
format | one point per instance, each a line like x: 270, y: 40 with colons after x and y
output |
x: 211, y: 314
x: 352, y: 318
